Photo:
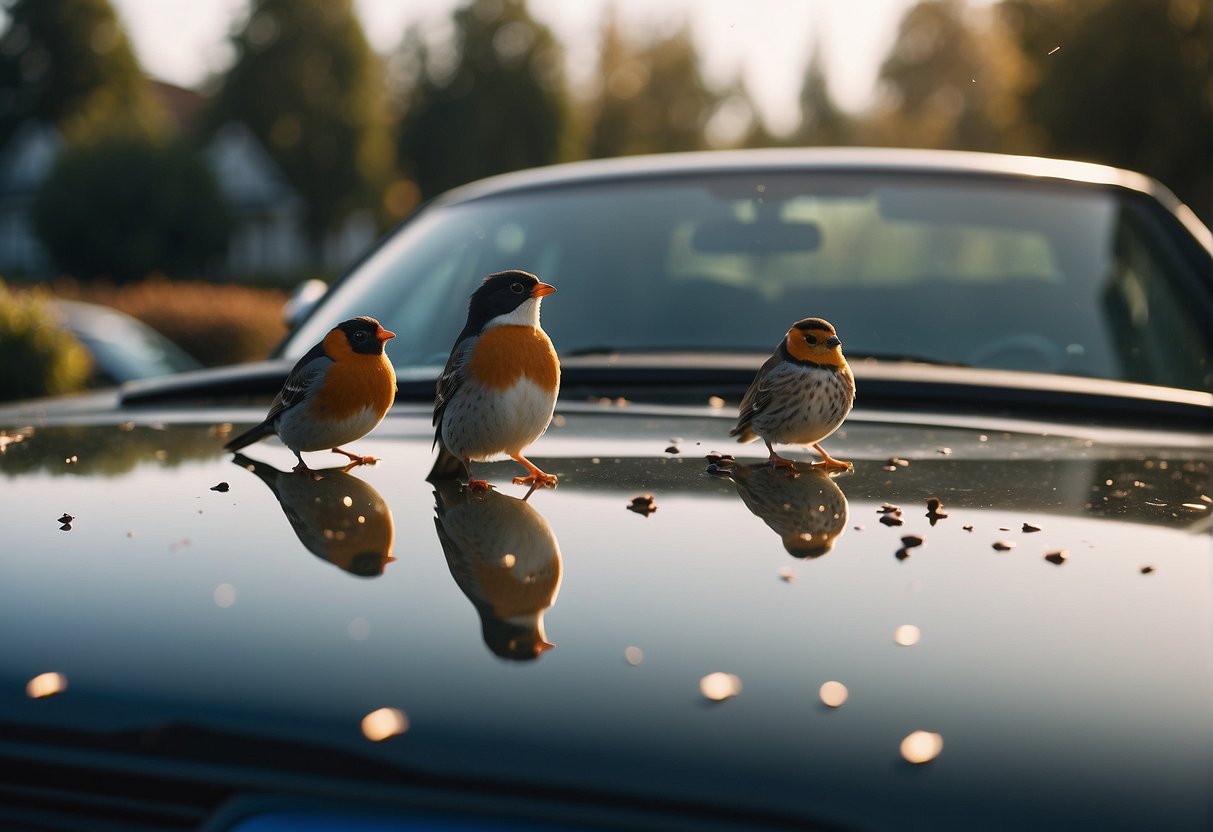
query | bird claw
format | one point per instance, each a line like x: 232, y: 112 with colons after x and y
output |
x: 478, y: 486
x: 835, y: 465
x: 356, y: 459
x: 537, y: 479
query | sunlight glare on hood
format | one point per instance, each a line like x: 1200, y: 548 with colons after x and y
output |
x: 46, y: 684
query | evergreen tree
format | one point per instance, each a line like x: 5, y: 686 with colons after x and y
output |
x: 502, y: 106
x: 1123, y: 82
x: 308, y: 85
x: 821, y: 121
x: 948, y: 82
x: 68, y: 63
x: 652, y: 97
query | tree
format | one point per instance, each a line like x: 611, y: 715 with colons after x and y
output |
x: 821, y: 121
x: 68, y: 63
x: 652, y: 98
x: 501, y: 106
x: 125, y: 207
x: 308, y: 85
x: 1123, y: 82
x: 949, y: 81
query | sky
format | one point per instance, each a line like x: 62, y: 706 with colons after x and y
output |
x: 768, y: 41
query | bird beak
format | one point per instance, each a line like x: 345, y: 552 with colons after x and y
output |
x: 833, y: 341
x: 384, y: 335
x: 542, y: 289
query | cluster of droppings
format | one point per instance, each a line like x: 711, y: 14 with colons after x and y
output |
x: 890, y: 514
x: 720, y: 464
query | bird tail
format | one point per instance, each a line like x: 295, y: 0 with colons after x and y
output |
x: 253, y: 434
x: 743, y: 433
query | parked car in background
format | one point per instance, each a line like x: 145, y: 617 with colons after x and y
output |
x: 123, y: 348
x: 998, y: 620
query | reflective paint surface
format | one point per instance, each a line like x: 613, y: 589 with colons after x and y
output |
x: 1075, y: 690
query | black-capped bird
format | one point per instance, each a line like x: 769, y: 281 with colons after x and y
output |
x: 801, y: 394
x: 505, y: 558
x: 336, y: 393
x: 498, y: 391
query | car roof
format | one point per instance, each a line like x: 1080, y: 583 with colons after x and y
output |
x: 828, y: 160
x: 822, y: 159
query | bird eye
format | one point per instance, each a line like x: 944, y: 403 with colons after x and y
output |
x: 516, y: 288
x: 812, y: 339
x: 360, y: 335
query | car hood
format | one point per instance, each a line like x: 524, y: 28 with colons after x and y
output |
x: 228, y: 619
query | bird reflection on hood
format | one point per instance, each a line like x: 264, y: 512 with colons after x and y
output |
x: 805, y: 507
x: 337, y: 516
x: 506, y: 560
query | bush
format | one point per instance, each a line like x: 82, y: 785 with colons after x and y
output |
x: 217, y: 323
x: 41, y: 358
x: 127, y: 207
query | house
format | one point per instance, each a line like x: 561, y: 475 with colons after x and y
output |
x: 268, y: 235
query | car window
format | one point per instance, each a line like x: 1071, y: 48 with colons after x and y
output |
x: 998, y: 273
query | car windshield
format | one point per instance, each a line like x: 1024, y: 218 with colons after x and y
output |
x: 995, y: 273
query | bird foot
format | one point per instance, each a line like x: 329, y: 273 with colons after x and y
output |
x: 835, y: 465
x: 478, y: 486
x: 782, y: 462
x: 356, y: 459
x: 537, y: 479
x: 301, y: 468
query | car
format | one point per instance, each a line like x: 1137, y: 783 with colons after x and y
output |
x: 999, y: 619
x: 122, y: 347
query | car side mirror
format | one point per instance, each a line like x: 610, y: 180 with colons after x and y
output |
x: 306, y: 295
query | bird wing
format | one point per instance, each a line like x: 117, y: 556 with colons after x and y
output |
x: 756, y: 398
x: 452, y: 378
x: 302, y: 380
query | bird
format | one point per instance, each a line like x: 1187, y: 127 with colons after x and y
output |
x: 800, y: 395
x: 339, y: 391
x: 806, y: 509
x: 505, y: 558
x: 336, y: 516
x: 498, y: 390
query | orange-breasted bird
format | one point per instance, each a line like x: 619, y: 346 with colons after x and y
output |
x: 336, y: 393
x: 801, y: 394
x: 505, y: 558
x: 336, y: 516
x: 498, y: 391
